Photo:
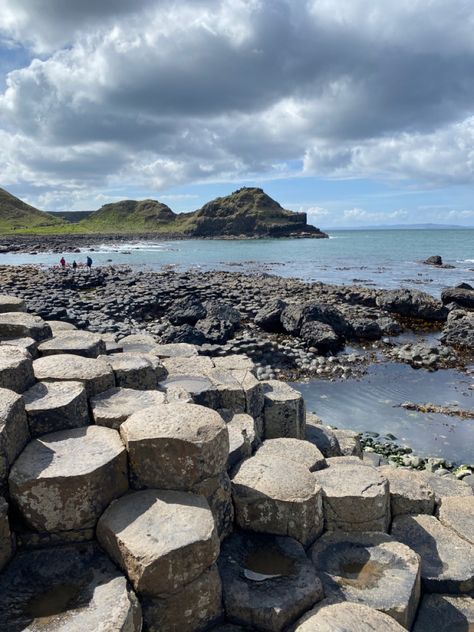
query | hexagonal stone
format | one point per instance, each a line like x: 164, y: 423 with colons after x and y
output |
x: 296, y: 450
x: 83, y: 343
x: 236, y: 361
x: 58, y: 326
x: 242, y: 436
x: 197, y: 606
x: 162, y: 539
x: 176, y: 350
x: 349, y: 442
x: 218, y: 493
x: 175, y: 446
x: 356, y: 497
x: 253, y: 392
x: 65, y: 480
x: 279, y: 496
x: 26, y: 344
x: 141, y: 371
x: 322, y: 437
x: 443, y: 486
x: 283, y: 411
x: 67, y: 589
x: 16, y: 368
x: 182, y: 365
x: 451, y: 613
x: 95, y: 374
x: 111, y: 408
x: 138, y: 343
x: 7, y: 541
x: 52, y: 406
x: 11, y: 304
x: 346, y: 617
x: 447, y: 561
x: 22, y: 325
x: 14, y: 433
x: 457, y: 513
x: 369, y: 568
x: 267, y: 581
x: 409, y: 493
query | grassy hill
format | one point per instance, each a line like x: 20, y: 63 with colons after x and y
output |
x: 130, y: 216
x: 17, y: 216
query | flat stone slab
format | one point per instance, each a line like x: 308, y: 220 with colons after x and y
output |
x: 58, y: 326
x: 297, y: 450
x: 447, y: 561
x: 238, y: 361
x: 26, y: 344
x: 268, y: 581
x: 283, y: 412
x: 175, y: 446
x: 409, y: 492
x: 11, y: 304
x: 369, y: 568
x: 278, y: 496
x: 356, y: 496
x: 16, y: 368
x: 64, y: 480
x: 443, y: 486
x: 83, y: 343
x: 52, y: 406
x: 138, y: 343
x: 23, y: 325
x: 457, y: 513
x: 111, y: 408
x: 452, y: 613
x: 141, y: 371
x: 67, y: 589
x: 346, y: 617
x: 176, y: 350
x: 182, y: 365
x: 95, y: 374
x: 162, y: 539
x: 14, y: 433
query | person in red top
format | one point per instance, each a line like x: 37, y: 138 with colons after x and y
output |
x: 62, y: 261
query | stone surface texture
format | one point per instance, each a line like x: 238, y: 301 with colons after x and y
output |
x: 95, y: 374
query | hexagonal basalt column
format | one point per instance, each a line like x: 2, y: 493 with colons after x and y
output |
x: 242, y: 436
x: 175, y: 446
x: 141, y: 371
x: 275, y: 495
x: 267, y: 581
x: 283, y: 412
x: 409, y: 493
x: 356, y: 497
x: 11, y: 304
x: 457, y: 513
x: 175, y: 350
x: 370, y: 568
x: 297, y: 450
x: 53, y: 406
x: 450, y: 612
x: 343, y: 617
x: 16, y: 368
x: 22, y: 325
x: 66, y: 479
x: 196, y: 365
x: 95, y: 374
x: 67, y: 589
x: 218, y: 493
x: 111, y: 408
x: 83, y: 343
x: 253, y: 391
x: 7, y: 541
x: 229, y: 391
x: 14, y: 433
x: 162, y: 539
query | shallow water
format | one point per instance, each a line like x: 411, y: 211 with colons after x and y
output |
x: 267, y: 563
x: 371, y: 404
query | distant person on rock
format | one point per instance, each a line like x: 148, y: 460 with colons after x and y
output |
x: 62, y: 261
x: 89, y: 262
x: 74, y: 265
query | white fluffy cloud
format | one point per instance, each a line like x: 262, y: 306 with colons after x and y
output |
x: 161, y: 93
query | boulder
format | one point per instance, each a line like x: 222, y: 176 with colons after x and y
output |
x: 322, y: 437
x: 22, y: 325
x: 64, y: 480
x: 163, y: 540
x: 140, y: 371
x: 461, y: 296
x: 457, y: 512
x: 297, y: 450
x: 175, y: 446
x: 292, y: 318
x: 451, y: 613
x: 114, y: 406
x: 447, y: 561
x: 349, y: 442
x: 52, y: 406
x: 67, y: 589
x: 321, y: 336
x: 95, y: 374
x: 14, y: 433
x: 346, y: 617
x: 434, y: 260
x: 369, y: 568
x: 267, y: 581
x: 459, y: 329
x: 83, y: 343
x: 11, y: 304
x: 214, y: 331
x: 327, y: 314
x: 279, y: 496
x: 186, y: 310
x: 411, y: 304
x: 7, y: 539
x: 355, y: 496
x: 409, y: 492
x: 283, y: 411
x: 16, y: 368
x: 268, y: 317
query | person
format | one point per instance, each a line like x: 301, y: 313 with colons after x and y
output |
x: 62, y: 261
x: 89, y: 262
x: 74, y: 265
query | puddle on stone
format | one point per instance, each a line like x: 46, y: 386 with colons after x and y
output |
x: 55, y: 601
x: 190, y: 383
x: 362, y: 575
x: 267, y: 563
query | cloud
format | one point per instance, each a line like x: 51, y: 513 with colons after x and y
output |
x: 162, y: 93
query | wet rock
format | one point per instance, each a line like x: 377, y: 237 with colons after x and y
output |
x: 64, y: 480
x: 95, y: 374
x: 7, y: 540
x: 355, y: 496
x: 11, y: 304
x: 175, y: 446
x: 22, y: 325
x: 136, y: 370
x: 16, y: 368
x: 447, y: 561
x: 461, y: 296
x: 297, y: 450
x: 369, y: 568
x: 114, y: 406
x: 450, y: 612
x: 409, y: 492
x: 279, y: 496
x: 434, y: 260
x: 322, y: 437
x: 187, y: 544
x: 459, y: 329
x: 456, y: 512
x: 14, y: 433
x: 283, y: 412
x: 83, y: 343
x: 70, y: 588
x: 52, y: 406
x: 411, y: 304
x: 345, y: 617
x: 267, y: 581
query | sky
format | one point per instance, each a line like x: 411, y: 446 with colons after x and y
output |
x: 359, y: 112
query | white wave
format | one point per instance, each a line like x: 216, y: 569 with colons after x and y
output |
x: 147, y: 246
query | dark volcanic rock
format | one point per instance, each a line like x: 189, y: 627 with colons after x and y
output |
x: 214, y: 330
x: 269, y: 317
x: 412, y: 304
x: 321, y: 336
x: 186, y: 310
x: 459, y: 329
x: 184, y: 333
x: 461, y: 296
x: 434, y: 260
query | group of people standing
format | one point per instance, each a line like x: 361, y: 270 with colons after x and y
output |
x: 74, y: 264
